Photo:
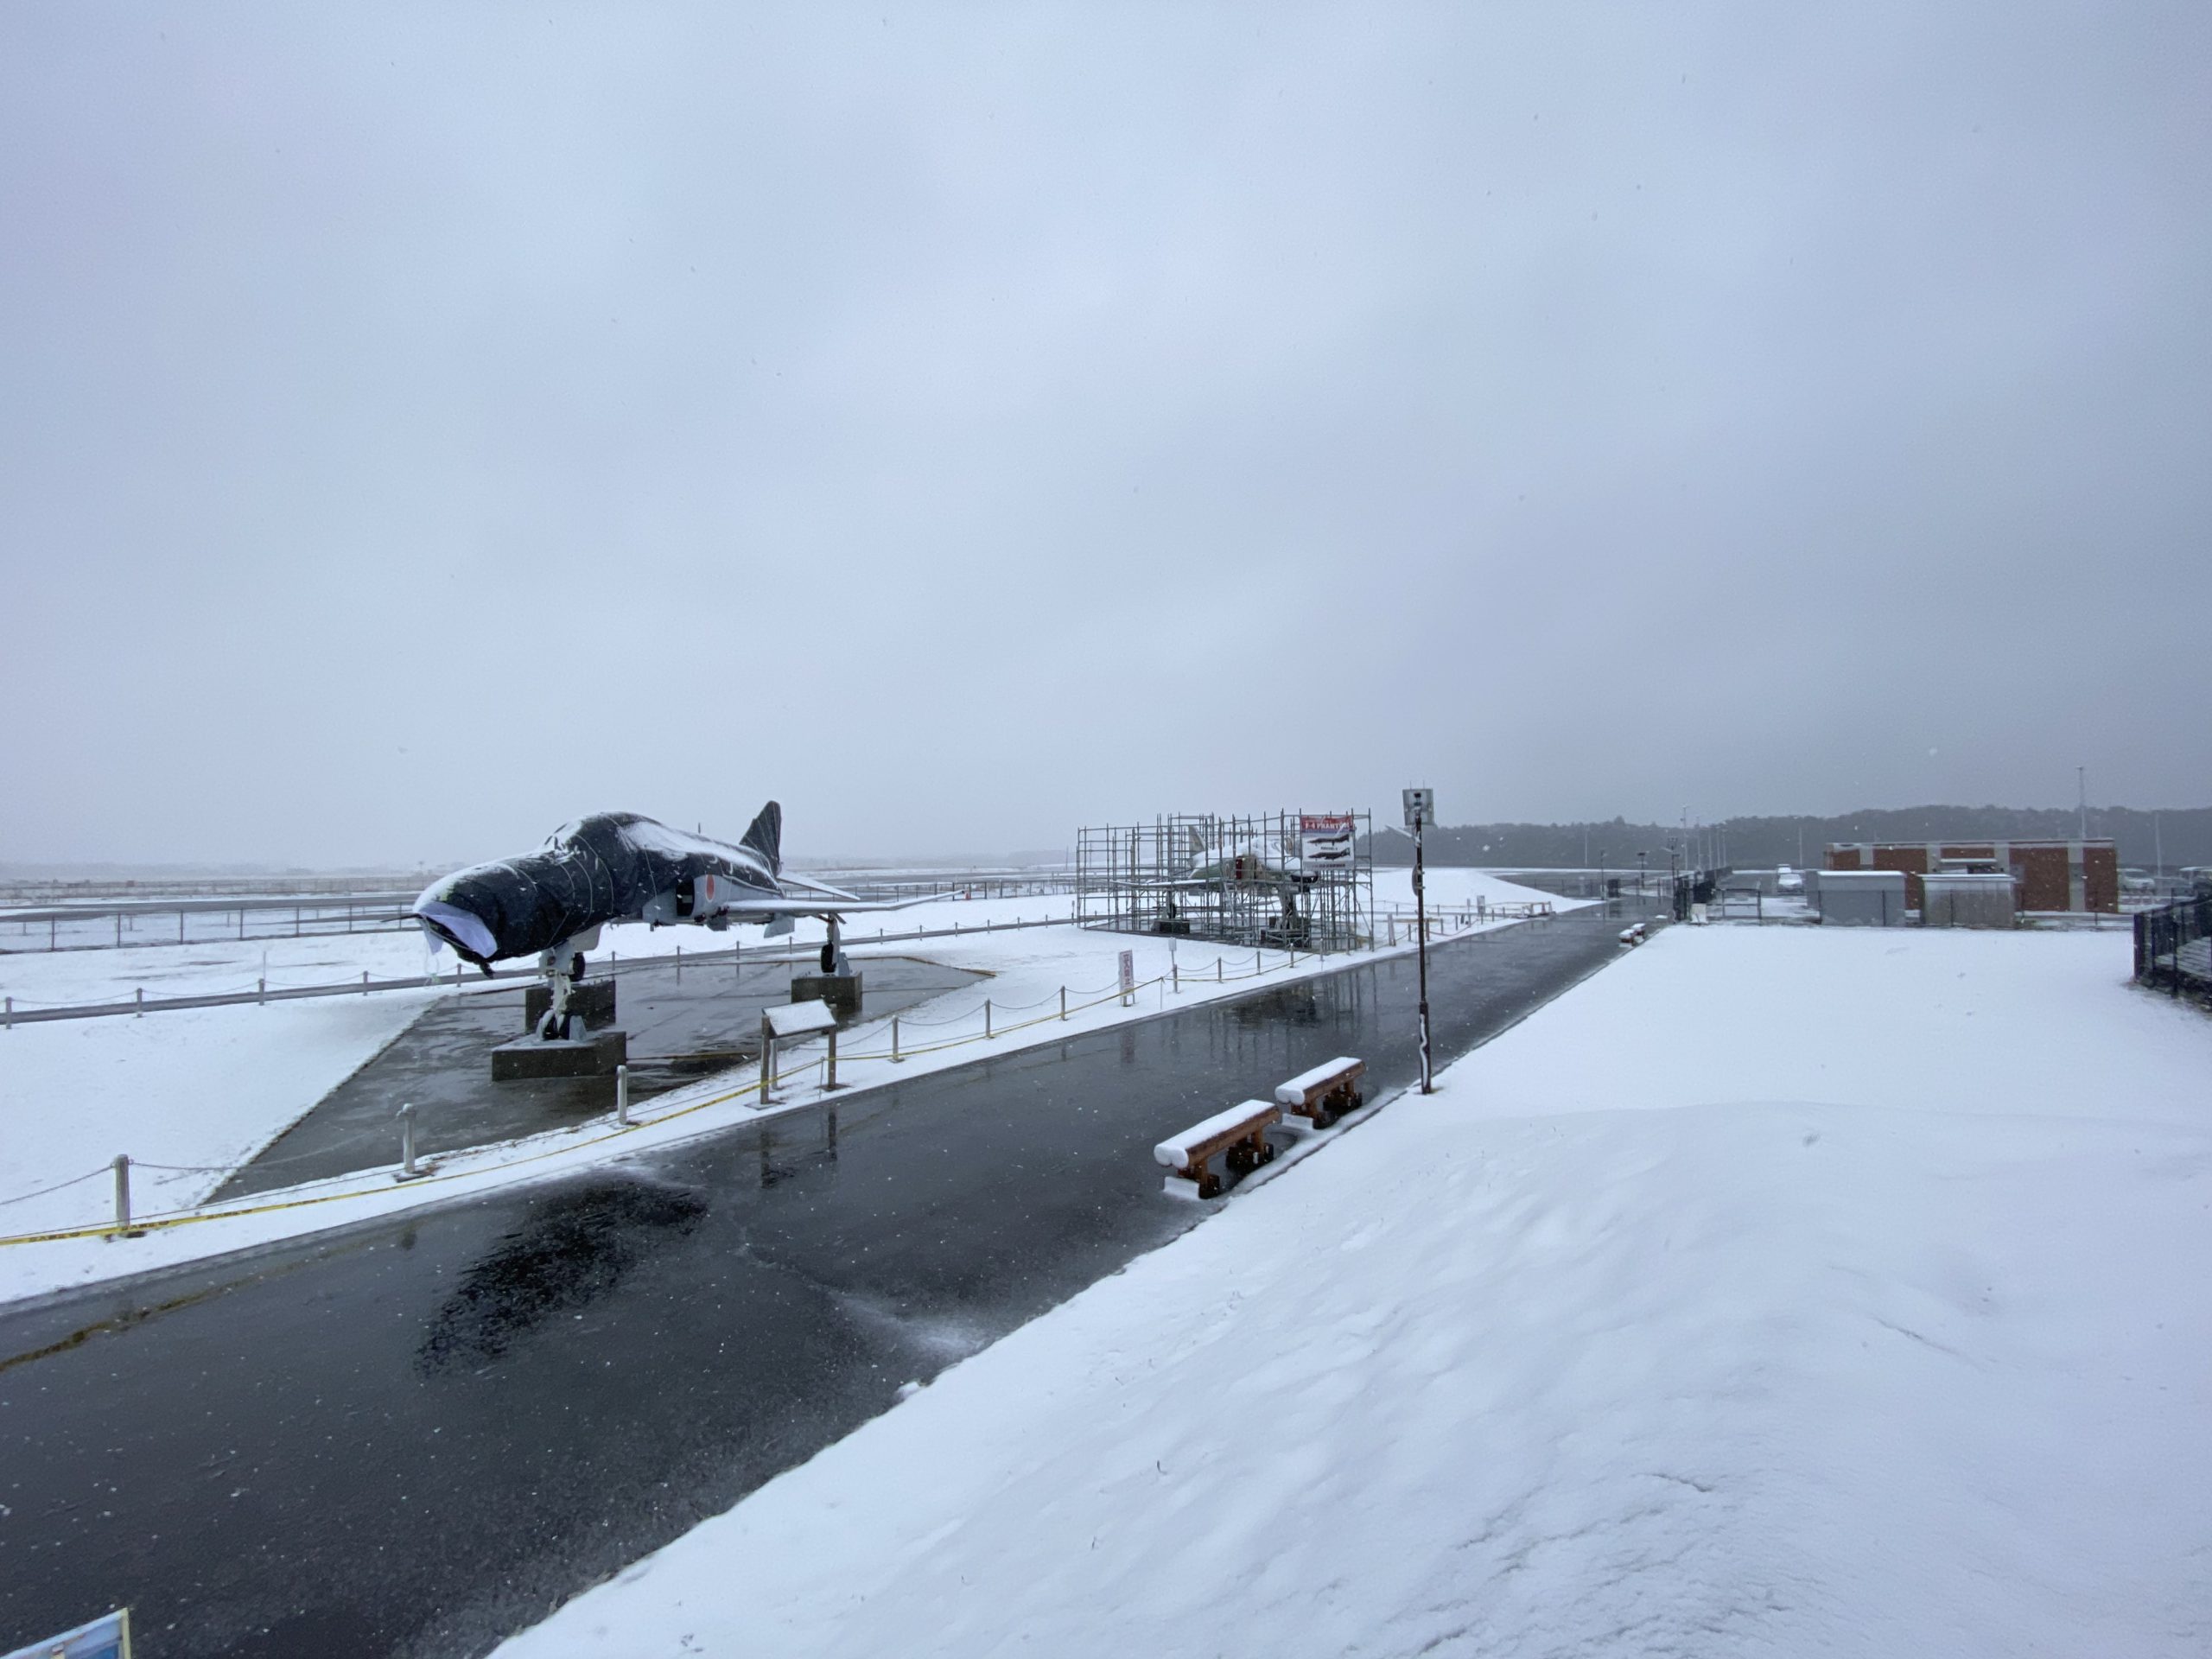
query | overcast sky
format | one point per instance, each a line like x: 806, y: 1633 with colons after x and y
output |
x: 419, y: 426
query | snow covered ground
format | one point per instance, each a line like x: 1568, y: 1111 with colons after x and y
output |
x: 189, y: 1095
x: 1782, y: 1291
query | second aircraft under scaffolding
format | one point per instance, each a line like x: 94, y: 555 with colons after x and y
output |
x: 1287, y: 879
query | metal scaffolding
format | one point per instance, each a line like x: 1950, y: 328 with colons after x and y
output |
x: 1276, y: 880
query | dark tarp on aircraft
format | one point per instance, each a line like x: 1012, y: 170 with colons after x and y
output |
x: 599, y: 869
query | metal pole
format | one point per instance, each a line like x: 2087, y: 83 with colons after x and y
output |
x: 622, y: 1094
x: 407, y: 1170
x: 829, y: 1075
x: 1063, y: 1001
x: 987, y: 1016
x: 894, y: 1037
x: 122, y: 1193
x: 141, y: 1014
x: 1420, y: 912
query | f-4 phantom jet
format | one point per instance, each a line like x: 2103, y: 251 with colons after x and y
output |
x: 618, y: 866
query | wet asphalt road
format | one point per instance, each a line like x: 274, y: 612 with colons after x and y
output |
x: 418, y: 1436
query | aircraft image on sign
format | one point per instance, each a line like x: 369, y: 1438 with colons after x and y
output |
x: 619, y: 867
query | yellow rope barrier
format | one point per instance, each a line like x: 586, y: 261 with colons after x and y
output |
x: 160, y: 1221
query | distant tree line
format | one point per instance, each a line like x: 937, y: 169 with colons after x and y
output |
x: 2184, y: 837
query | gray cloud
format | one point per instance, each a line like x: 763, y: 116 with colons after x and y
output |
x: 418, y: 427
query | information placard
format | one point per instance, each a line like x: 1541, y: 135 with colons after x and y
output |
x: 1324, y: 838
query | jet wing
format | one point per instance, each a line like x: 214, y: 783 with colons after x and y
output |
x: 831, y: 903
x: 796, y: 885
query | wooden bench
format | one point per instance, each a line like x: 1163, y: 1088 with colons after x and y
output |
x: 1239, y: 1135
x: 1325, y: 1093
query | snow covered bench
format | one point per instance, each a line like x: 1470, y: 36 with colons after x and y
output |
x: 1635, y: 935
x: 1325, y: 1093
x: 1240, y: 1135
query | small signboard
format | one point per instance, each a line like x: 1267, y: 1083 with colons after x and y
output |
x: 1129, y: 973
x: 800, y: 1020
x: 1420, y: 808
x: 1325, y: 839
x: 103, y: 1638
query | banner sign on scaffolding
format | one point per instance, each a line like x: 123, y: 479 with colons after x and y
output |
x: 103, y: 1638
x: 1325, y: 839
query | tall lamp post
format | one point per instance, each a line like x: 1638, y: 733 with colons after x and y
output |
x: 1420, y: 806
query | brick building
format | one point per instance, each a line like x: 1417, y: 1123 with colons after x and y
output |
x: 2047, y: 874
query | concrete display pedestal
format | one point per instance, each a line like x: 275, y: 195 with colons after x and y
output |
x: 841, y: 991
x: 592, y: 1000
x: 596, y: 1056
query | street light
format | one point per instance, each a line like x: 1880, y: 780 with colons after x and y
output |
x: 1420, y: 806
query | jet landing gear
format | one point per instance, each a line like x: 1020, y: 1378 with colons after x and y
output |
x: 562, y: 979
x: 563, y: 1022
x: 833, y: 960
x: 837, y: 984
x: 566, y: 1009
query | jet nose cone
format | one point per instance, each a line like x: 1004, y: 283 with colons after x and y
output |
x: 462, y: 929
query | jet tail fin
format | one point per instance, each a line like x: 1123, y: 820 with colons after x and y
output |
x: 765, y: 837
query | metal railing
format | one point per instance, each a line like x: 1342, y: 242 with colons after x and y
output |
x: 117, y: 924
x: 2163, y: 941
x: 18, y: 1011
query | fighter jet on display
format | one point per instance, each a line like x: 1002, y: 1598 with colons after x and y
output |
x: 618, y: 866
x: 1219, y: 858
x: 1238, y: 858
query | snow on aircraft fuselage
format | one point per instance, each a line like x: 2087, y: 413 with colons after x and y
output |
x: 619, y: 867
x: 1235, y: 858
